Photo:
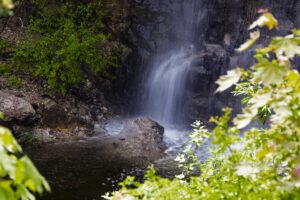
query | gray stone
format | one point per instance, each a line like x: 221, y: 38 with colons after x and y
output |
x: 215, y: 49
x: 15, y: 108
x: 43, y: 135
x: 141, y: 139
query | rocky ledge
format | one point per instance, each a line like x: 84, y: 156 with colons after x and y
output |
x: 33, y: 113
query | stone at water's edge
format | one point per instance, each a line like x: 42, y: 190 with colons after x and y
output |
x: 15, y: 108
x: 141, y: 140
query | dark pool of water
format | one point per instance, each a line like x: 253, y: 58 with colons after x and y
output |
x: 79, y: 170
x: 86, y: 169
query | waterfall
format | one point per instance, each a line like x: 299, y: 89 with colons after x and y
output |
x: 166, y: 78
x: 165, y: 86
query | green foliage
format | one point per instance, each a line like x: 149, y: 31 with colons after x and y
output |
x: 14, y: 81
x: 245, y: 89
x: 4, y: 46
x: 19, y: 179
x: 65, y: 39
x: 154, y: 188
x: 4, y: 69
x: 255, y: 163
x: 11, y: 79
x: 6, y: 7
x: 29, y: 138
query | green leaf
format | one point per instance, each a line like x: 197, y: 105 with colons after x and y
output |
x: 226, y: 81
x: 8, y: 142
x: 6, y: 192
x: 24, y: 193
x: 287, y: 46
x: 267, y: 72
x: 249, y: 43
x: 18, y: 174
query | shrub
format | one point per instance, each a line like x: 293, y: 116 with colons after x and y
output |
x: 64, y: 40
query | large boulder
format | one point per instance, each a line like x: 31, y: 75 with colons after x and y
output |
x: 15, y: 108
x: 141, y: 140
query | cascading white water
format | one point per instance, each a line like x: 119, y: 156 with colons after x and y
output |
x: 165, y: 86
x: 166, y: 77
x: 165, y: 80
x: 163, y: 83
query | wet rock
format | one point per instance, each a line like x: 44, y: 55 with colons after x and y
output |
x: 16, y: 108
x: 81, y: 132
x: 200, y: 98
x: 214, y: 49
x: 64, y: 116
x: 141, y: 140
x: 53, y: 114
x: 43, y: 135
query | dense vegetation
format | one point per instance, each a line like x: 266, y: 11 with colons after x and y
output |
x: 251, y: 163
x: 65, y: 39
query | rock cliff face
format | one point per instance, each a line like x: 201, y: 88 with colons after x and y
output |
x: 221, y: 27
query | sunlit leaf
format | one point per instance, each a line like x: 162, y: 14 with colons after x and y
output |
x: 8, y: 4
x: 20, y: 171
x: 267, y: 72
x: 243, y: 120
x: 8, y: 142
x: 260, y: 99
x: 288, y: 46
x: 24, y: 193
x: 249, y: 43
x: 296, y: 32
x: 293, y: 80
x: 6, y: 191
x: 268, y: 149
x: 266, y: 19
x: 246, y: 170
x: 226, y: 81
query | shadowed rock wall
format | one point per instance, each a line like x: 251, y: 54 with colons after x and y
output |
x: 221, y: 27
